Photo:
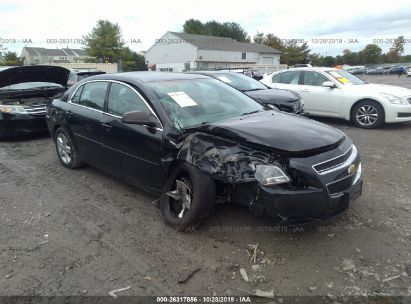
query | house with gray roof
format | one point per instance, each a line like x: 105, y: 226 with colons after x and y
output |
x: 177, y: 52
x: 38, y: 55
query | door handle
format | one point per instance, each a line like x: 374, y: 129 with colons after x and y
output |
x: 107, y: 126
x: 305, y: 90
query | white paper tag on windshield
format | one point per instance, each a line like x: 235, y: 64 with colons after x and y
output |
x: 224, y: 79
x: 182, y: 99
x: 335, y: 74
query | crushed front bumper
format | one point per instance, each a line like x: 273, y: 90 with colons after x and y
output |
x: 305, y: 206
x: 18, y: 124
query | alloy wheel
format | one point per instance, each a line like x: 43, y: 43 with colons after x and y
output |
x: 181, y: 197
x: 64, y: 148
x: 367, y: 115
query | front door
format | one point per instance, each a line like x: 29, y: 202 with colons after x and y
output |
x: 318, y: 99
x: 133, y: 150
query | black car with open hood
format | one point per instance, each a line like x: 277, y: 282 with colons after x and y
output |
x: 198, y: 142
x: 284, y: 100
x: 24, y: 92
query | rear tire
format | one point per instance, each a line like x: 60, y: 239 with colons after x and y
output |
x: 368, y: 114
x: 66, y: 150
x: 187, y: 197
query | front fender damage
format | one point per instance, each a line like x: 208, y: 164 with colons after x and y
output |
x: 224, y: 160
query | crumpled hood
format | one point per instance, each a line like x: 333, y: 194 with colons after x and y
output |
x: 34, y: 73
x: 272, y: 95
x: 279, y: 131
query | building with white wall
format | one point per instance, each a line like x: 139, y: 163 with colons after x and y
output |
x: 39, y: 55
x: 177, y: 52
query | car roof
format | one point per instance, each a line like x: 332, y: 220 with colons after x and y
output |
x: 323, y: 69
x: 207, y: 72
x: 147, y: 76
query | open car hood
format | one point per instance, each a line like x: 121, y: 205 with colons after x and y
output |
x: 34, y: 73
x: 285, y: 133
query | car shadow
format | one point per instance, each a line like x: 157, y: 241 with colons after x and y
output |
x: 25, y: 137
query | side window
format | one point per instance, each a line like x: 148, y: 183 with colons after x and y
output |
x: 290, y: 77
x: 314, y: 78
x: 93, y: 95
x: 122, y: 99
x: 76, y: 96
x: 276, y: 78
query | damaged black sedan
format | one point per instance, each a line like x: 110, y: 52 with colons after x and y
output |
x: 283, y: 100
x: 197, y: 141
x: 24, y: 92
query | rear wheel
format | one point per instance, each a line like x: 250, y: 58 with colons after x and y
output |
x: 187, y: 197
x: 66, y: 151
x: 368, y: 114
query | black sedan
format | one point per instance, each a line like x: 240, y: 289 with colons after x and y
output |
x: 24, y: 92
x: 284, y: 100
x: 197, y: 141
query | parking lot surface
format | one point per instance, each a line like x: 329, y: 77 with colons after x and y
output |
x: 83, y: 232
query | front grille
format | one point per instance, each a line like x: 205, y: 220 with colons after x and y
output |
x: 333, y: 163
x: 36, y: 109
x: 298, y: 107
x: 341, y: 185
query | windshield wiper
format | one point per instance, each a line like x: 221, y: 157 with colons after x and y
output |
x: 252, y: 112
x: 253, y: 90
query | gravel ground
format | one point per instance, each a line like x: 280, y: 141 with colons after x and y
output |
x: 83, y: 232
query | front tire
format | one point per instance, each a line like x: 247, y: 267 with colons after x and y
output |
x: 66, y: 151
x: 368, y: 114
x: 187, y: 197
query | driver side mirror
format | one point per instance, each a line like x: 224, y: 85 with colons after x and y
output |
x: 138, y: 118
x: 329, y: 84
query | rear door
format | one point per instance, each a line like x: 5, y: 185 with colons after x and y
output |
x: 84, y: 118
x: 133, y: 150
x: 288, y: 80
x: 320, y: 100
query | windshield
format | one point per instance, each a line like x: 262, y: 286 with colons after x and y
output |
x: 346, y: 78
x: 30, y: 85
x: 195, y: 102
x: 240, y: 81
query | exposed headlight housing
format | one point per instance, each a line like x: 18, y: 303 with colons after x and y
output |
x: 268, y: 175
x: 357, y: 174
x: 394, y: 99
x: 14, y: 109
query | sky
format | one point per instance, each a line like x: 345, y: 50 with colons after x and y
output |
x: 329, y: 27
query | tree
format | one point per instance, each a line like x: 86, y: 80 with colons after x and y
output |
x: 214, y: 28
x: 194, y: 26
x: 295, y: 53
x: 105, y: 41
x: 398, y: 45
x: 371, y: 54
x: 328, y: 61
x: 273, y: 41
x: 10, y: 59
x: 132, y: 61
x: 292, y: 51
x: 258, y: 38
x: 351, y: 58
x: 392, y: 56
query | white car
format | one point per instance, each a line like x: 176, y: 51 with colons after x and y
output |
x: 409, y: 72
x: 336, y: 93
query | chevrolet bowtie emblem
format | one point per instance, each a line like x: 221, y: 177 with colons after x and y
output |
x: 352, y: 169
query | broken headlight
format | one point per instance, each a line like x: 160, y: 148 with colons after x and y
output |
x: 12, y: 109
x: 268, y: 175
